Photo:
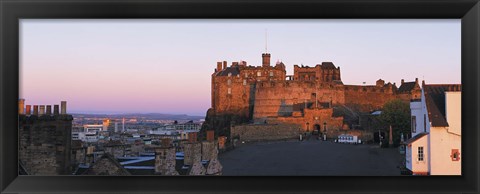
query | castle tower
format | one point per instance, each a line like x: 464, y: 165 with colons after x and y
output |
x: 265, y: 59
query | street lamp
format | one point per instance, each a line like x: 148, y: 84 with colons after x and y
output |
x: 324, y: 131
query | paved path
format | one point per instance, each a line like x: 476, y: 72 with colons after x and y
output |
x: 312, y: 157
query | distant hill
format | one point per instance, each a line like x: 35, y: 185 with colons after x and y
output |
x: 153, y: 116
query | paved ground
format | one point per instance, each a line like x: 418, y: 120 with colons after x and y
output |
x: 312, y: 157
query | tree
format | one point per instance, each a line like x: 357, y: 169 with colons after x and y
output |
x: 396, y: 113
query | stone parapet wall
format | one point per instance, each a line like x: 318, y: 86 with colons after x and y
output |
x: 254, y: 132
x: 45, y: 144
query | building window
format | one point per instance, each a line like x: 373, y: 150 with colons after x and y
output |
x: 246, y: 75
x: 229, y: 74
x: 259, y: 73
x: 229, y: 82
x: 244, y: 82
x: 424, y: 123
x: 271, y: 73
x: 420, y: 153
x: 229, y: 90
x: 455, y: 155
x: 414, y: 124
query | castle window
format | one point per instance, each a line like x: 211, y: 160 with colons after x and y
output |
x: 271, y: 73
x: 229, y: 82
x: 229, y: 91
x: 244, y: 82
x: 259, y: 73
x: 414, y: 124
x: 420, y: 153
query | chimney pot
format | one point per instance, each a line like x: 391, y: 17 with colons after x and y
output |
x: 210, y: 135
x: 21, y: 106
x: 49, y: 109
x: 42, y: 109
x: 64, y: 107
x: 192, y: 137
x: 35, y: 110
x: 28, y: 109
x: 219, y: 66
x: 55, y: 109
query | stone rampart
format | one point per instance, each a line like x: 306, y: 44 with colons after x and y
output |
x: 258, y: 132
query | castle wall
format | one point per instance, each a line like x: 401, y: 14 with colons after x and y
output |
x: 233, y: 97
x: 274, y: 99
x: 367, y: 98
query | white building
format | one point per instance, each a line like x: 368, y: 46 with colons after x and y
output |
x: 92, y: 128
x: 435, y: 146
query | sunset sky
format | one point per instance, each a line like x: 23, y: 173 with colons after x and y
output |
x: 164, y: 66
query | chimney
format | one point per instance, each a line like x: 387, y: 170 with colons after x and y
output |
x: 192, y: 137
x: 219, y: 66
x: 49, y: 109
x: 210, y: 135
x: 416, y: 80
x: 165, y: 161
x: 21, y: 106
x: 35, y: 110
x: 266, y: 59
x: 64, y: 107
x: 55, y: 109
x: 402, y: 81
x: 28, y: 110
x: 423, y: 83
x: 166, y: 142
x: 42, y: 109
x: 224, y: 64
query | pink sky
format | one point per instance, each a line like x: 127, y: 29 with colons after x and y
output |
x: 164, y: 66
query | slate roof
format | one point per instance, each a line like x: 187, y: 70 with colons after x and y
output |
x: 406, y: 87
x: 233, y: 70
x: 417, y: 137
x: 109, y: 158
x: 435, y: 100
x: 328, y: 65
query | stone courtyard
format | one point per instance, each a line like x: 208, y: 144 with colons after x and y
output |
x: 310, y: 157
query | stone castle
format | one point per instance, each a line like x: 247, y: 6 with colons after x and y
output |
x: 312, y: 98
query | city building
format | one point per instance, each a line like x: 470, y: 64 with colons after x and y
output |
x: 435, y: 146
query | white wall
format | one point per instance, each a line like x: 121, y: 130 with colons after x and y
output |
x: 441, y: 144
x: 415, y: 165
x: 453, y: 111
x: 419, y: 109
x: 416, y: 110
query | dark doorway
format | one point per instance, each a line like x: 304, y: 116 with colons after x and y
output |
x: 316, y: 129
x: 376, y: 137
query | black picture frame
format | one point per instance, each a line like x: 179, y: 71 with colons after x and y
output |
x: 13, y: 10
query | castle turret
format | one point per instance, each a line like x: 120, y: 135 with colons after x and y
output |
x: 266, y: 59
